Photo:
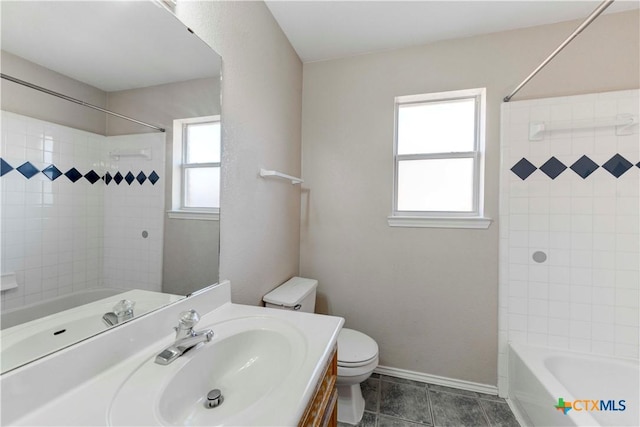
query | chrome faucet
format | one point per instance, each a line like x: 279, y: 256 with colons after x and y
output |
x: 186, y: 338
x: 122, y: 311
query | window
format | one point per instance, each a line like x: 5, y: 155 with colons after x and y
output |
x: 438, y: 156
x: 196, y: 168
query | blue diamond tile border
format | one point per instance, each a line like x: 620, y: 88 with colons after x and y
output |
x: 153, y: 177
x: 553, y: 167
x: 92, y: 176
x: 27, y: 169
x: 52, y: 172
x: 617, y: 165
x: 523, y: 169
x: 73, y: 174
x: 141, y: 178
x: 129, y: 178
x: 4, y: 167
x: 584, y: 167
x: 118, y: 178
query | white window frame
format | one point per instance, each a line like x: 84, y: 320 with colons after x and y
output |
x: 178, y: 210
x: 444, y: 219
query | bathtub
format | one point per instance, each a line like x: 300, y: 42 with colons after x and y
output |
x: 31, y: 340
x: 40, y: 309
x: 538, y: 377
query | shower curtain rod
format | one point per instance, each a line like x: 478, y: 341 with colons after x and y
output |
x: 76, y: 101
x: 605, y: 4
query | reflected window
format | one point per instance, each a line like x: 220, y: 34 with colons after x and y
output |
x: 196, y: 176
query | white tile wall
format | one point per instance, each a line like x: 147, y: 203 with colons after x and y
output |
x: 585, y: 297
x: 130, y: 260
x: 53, y: 232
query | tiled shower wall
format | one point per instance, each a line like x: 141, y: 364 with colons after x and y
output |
x: 572, y: 196
x: 53, y: 205
x: 133, y: 214
x: 51, y: 229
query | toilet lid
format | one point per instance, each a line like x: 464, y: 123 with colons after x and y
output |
x: 355, y: 347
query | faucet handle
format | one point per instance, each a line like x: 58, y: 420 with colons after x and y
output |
x: 124, y: 310
x: 188, y: 319
x: 123, y: 305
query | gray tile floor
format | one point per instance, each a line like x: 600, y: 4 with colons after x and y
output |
x: 396, y: 402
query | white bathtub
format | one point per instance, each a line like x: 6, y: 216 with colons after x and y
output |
x: 31, y: 340
x: 538, y: 377
x: 40, y: 309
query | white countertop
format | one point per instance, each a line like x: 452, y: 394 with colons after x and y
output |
x: 89, y: 402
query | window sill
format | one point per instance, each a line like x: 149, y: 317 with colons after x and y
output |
x: 201, y: 216
x: 438, y: 222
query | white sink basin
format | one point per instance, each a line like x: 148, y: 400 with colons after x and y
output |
x: 250, y: 359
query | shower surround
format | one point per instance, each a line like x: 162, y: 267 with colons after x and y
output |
x: 570, y: 196
x: 73, y: 214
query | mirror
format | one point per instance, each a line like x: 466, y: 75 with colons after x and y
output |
x: 86, y: 195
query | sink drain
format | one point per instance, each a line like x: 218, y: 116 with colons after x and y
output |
x: 214, y: 398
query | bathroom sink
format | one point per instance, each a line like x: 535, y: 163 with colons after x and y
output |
x: 250, y: 360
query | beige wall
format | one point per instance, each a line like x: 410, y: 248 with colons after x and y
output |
x: 428, y: 296
x: 190, y: 255
x: 23, y: 100
x: 262, y: 99
x: 161, y: 104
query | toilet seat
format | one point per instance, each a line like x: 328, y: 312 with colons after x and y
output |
x: 356, y: 364
x: 345, y: 372
x: 356, y: 349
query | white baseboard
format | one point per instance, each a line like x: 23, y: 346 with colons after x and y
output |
x: 435, y: 379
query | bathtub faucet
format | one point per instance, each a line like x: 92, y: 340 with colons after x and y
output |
x: 122, y: 311
x: 186, y: 338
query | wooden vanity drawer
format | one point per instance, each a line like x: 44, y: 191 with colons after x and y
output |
x: 322, y: 409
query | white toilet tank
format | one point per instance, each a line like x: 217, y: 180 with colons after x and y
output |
x: 296, y: 293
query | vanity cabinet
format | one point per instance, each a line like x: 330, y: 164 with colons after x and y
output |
x: 323, y: 409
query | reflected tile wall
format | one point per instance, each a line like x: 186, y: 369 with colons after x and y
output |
x: 51, y: 229
x: 131, y: 209
x: 53, y: 224
x: 581, y: 207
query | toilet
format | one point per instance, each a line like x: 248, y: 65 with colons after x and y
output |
x: 357, y: 352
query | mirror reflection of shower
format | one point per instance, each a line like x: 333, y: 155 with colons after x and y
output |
x: 85, y: 192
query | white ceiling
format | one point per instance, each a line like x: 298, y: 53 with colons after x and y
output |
x: 320, y: 30
x: 111, y: 45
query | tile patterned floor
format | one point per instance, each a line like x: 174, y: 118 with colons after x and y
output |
x: 396, y: 402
